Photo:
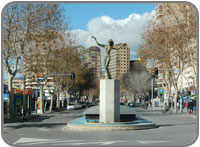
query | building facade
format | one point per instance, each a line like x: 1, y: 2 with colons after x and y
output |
x: 189, y: 51
x: 93, y: 60
x: 120, y: 61
x: 32, y: 78
x: 17, y: 83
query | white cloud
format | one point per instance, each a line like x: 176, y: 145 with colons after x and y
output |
x: 120, y: 30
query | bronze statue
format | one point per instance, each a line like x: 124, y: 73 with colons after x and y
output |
x: 107, y: 50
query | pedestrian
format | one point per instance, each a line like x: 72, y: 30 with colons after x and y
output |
x: 166, y: 108
x: 183, y: 104
x: 146, y: 104
x: 22, y: 113
x: 186, y: 105
x: 191, y: 107
x: 18, y: 109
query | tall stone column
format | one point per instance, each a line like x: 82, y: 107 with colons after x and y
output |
x: 109, y: 100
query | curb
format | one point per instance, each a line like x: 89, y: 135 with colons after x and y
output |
x: 108, y: 128
x: 82, y: 125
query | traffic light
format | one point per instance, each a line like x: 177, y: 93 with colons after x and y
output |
x: 72, y: 76
x: 156, y: 71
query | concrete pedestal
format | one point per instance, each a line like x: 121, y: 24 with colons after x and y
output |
x: 109, y: 100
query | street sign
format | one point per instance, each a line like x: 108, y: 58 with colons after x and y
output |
x: 161, y: 92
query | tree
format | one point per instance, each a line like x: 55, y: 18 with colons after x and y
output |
x: 138, y: 84
x: 25, y: 25
x: 18, y: 23
x: 67, y: 60
x: 186, y: 22
x: 165, y: 41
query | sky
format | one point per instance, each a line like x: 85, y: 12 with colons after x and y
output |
x: 82, y: 13
x: 122, y: 22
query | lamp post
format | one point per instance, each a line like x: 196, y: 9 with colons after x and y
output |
x: 151, y: 91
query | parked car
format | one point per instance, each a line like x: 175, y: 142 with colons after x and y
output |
x: 71, y: 107
x: 92, y: 104
x: 78, y: 106
x: 131, y: 104
x: 83, y: 104
x: 122, y: 103
x: 137, y: 104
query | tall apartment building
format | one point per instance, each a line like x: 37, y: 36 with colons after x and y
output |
x: 17, y: 83
x: 32, y: 78
x: 93, y: 59
x: 120, y: 61
x: 188, y: 70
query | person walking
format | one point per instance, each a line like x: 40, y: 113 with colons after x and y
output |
x: 186, y: 105
x: 191, y: 107
x: 22, y: 113
x: 166, y: 108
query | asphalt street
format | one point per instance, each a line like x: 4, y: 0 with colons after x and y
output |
x: 173, y: 129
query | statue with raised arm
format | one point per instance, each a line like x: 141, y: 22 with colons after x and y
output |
x: 107, y: 50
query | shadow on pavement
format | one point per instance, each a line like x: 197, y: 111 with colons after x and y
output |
x: 46, y: 125
x: 33, y: 118
x: 167, y: 125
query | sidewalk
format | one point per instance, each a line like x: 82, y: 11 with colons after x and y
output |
x: 18, y: 118
x: 29, y: 117
x: 184, y: 113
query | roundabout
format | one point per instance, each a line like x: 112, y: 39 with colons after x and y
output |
x: 83, y: 124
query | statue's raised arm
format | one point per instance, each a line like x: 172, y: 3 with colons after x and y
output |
x: 98, y: 42
x: 118, y: 47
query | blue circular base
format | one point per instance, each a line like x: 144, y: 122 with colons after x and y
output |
x: 82, y: 125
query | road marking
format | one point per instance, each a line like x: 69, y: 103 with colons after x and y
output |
x: 33, y: 141
x: 74, y: 115
x: 30, y: 140
x: 43, y: 129
x: 151, y: 142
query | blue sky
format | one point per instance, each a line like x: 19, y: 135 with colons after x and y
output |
x: 82, y: 13
x: 123, y: 22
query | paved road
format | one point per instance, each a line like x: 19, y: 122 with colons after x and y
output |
x: 48, y: 129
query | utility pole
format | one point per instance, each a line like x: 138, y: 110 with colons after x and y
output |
x: 151, y: 90
x: 152, y: 78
